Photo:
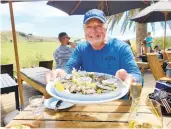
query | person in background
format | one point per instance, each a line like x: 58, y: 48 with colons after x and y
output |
x: 158, y: 52
x: 98, y: 54
x: 149, y: 40
x: 63, y: 52
x: 156, y: 49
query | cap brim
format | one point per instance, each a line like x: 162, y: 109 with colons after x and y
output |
x: 102, y: 20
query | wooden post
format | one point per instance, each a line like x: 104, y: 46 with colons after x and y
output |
x: 141, y: 32
x: 165, y: 17
x: 16, y: 54
x: 164, y: 44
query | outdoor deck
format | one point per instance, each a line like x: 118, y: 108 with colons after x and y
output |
x: 8, y: 103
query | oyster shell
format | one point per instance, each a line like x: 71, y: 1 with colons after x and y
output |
x: 84, y: 80
x: 105, y: 87
x: 109, y: 81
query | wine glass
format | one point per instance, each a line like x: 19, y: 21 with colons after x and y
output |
x: 136, y: 86
x: 145, y: 113
x: 37, y: 105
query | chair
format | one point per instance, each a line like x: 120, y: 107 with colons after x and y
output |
x: 142, y: 66
x: 7, y: 68
x: 156, y: 68
x: 46, y: 64
x: 9, y: 82
x: 168, y: 53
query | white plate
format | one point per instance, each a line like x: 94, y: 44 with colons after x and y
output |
x: 50, y: 89
x: 51, y: 103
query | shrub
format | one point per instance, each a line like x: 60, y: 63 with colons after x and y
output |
x: 22, y: 34
x: 39, y: 57
x: 160, y: 42
x: 32, y: 62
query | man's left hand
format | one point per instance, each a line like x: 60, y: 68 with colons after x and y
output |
x: 124, y: 76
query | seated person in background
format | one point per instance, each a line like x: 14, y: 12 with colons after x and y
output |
x: 63, y: 52
x: 160, y: 56
x: 98, y: 54
x: 148, y: 40
x: 157, y: 50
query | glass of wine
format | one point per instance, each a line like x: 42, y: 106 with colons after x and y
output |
x: 145, y: 113
x: 135, y: 87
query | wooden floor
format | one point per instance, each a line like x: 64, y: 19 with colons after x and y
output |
x: 8, y: 103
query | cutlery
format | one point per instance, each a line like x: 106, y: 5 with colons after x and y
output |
x: 58, y: 104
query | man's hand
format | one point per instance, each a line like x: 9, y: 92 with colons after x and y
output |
x: 72, y: 44
x: 122, y: 74
x: 54, y: 74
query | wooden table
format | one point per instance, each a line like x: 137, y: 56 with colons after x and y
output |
x: 8, y: 85
x: 107, y: 115
x: 36, y: 77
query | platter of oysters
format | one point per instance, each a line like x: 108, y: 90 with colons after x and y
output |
x: 81, y: 87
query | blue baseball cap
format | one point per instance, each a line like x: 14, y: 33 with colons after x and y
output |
x: 94, y: 13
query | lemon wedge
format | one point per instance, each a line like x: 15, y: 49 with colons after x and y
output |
x: 59, y: 86
x: 132, y: 124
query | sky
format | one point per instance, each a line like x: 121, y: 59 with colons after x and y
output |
x: 43, y: 20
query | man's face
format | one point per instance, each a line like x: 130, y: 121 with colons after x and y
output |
x: 148, y: 34
x: 95, y: 31
x: 64, y: 40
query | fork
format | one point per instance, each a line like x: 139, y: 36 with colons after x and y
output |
x: 58, y: 104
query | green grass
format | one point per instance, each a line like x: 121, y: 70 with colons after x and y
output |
x: 29, y: 53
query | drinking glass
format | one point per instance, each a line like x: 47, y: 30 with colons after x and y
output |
x: 37, y: 105
x: 135, y: 87
x: 135, y: 90
x: 145, y: 113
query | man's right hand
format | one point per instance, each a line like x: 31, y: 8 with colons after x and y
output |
x: 72, y: 44
x: 54, y: 74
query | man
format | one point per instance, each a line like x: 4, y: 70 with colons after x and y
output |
x: 63, y: 53
x: 98, y: 54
